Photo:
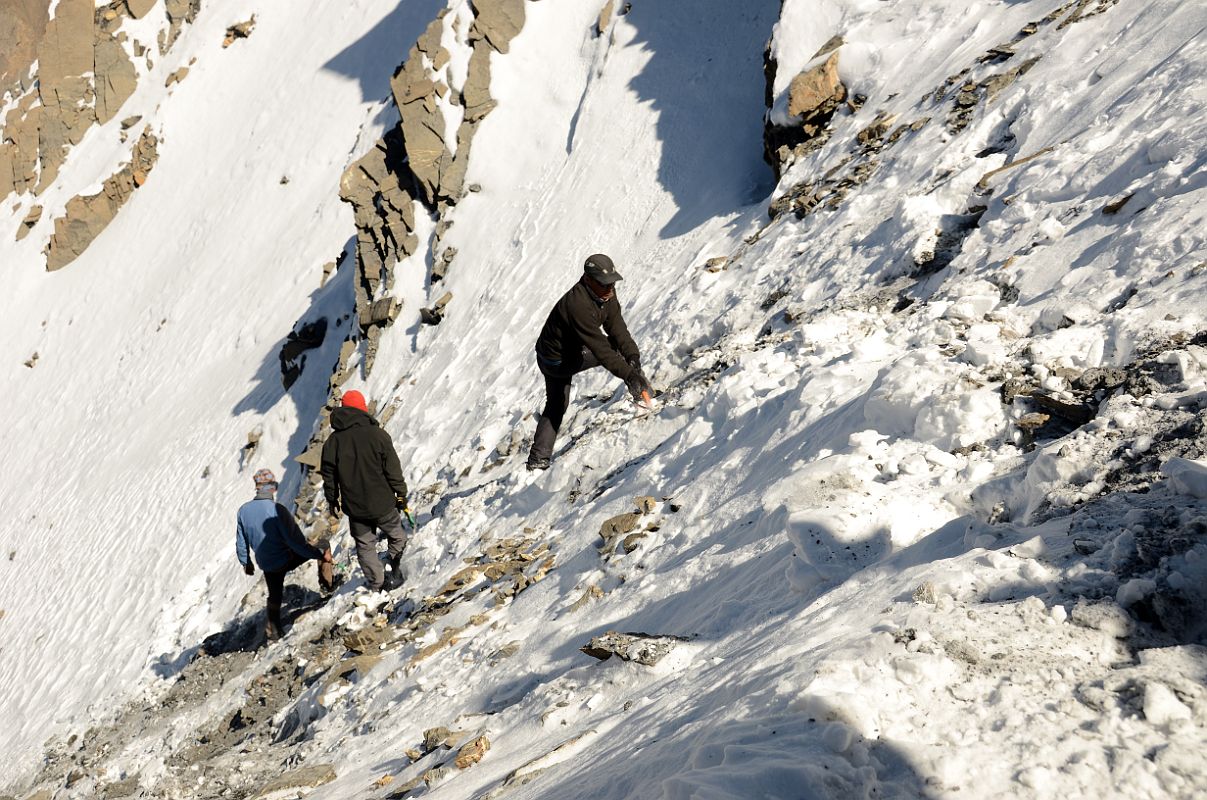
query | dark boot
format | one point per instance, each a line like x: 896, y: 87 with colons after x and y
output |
x: 273, y: 627
x: 396, y: 577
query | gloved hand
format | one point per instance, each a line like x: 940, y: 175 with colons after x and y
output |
x: 249, y: 568
x: 637, y: 384
x: 400, y: 501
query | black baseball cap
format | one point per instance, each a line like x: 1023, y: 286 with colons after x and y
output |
x: 601, y: 269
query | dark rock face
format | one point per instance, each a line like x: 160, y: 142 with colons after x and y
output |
x: 297, y: 343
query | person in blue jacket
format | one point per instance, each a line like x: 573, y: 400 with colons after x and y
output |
x: 267, y: 530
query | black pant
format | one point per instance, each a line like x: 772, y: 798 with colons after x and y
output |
x: 275, y: 581
x: 557, y: 400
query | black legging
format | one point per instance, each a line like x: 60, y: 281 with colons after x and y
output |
x: 275, y: 581
x: 557, y: 400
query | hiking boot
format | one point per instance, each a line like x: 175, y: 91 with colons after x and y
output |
x: 538, y: 463
x: 396, y: 577
x: 272, y: 631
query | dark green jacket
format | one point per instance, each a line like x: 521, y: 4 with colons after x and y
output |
x: 580, y: 319
x: 360, y: 468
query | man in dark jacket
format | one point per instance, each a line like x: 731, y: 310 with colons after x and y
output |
x: 268, y: 530
x: 362, y: 478
x: 584, y: 330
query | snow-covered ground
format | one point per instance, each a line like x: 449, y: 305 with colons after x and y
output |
x: 884, y: 586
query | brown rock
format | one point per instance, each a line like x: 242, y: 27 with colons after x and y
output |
x: 140, y: 8
x: 87, y: 216
x: 240, y: 30
x: 31, y: 219
x: 632, y: 541
x: 22, y: 25
x: 475, y: 94
x: 308, y: 777
x: 605, y: 17
x: 472, y: 753
x: 65, y: 56
x: 615, y: 527
x: 816, y: 88
x: 498, y: 22
x: 645, y: 504
x: 177, y: 76
x: 115, y: 77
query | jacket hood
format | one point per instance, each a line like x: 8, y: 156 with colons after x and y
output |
x: 346, y: 417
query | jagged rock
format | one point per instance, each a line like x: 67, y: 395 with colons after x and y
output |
x: 32, y: 361
x: 122, y: 788
x: 177, y: 76
x: 308, y: 777
x: 130, y: 122
x: 1076, y: 413
x: 816, y: 89
x: 30, y: 220
x: 367, y: 640
x: 21, y: 153
x: 382, y: 312
x: 498, y: 22
x: 641, y: 648
x: 385, y: 216
x: 433, y: 315
x: 475, y: 94
x: 65, y: 57
x: 645, y: 504
x: 179, y: 12
x: 140, y: 8
x: 616, y: 527
x: 874, y: 133
x: 115, y: 77
x: 41, y: 794
x: 22, y: 25
x: 605, y: 17
x: 1032, y: 422
x: 472, y: 753
x: 429, y: 43
x: 440, y: 265
x: 1097, y: 378
x: 240, y: 30
x: 87, y: 216
x: 632, y: 541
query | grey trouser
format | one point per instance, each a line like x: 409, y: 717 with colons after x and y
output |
x: 365, y: 532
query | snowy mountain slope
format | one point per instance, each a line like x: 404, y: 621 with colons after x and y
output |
x: 877, y: 578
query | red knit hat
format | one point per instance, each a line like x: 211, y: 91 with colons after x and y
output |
x: 354, y: 399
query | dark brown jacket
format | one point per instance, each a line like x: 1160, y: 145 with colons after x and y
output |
x: 360, y: 468
x: 578, y: 320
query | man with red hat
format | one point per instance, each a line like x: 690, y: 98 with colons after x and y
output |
x: 584, y: 330
x: 362, y: 478
x: 268, y: 530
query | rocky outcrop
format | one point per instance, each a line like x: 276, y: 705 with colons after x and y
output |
x: 31, y: 219
x: 22, y: 24
x: 65, y: 57
x: 297, y: 781
x: 641, y: 648
x: 498, y: 22
x: 86, y: 216
x: 240, y: 30
x: 813, y: 97
x: 84, y: 77
x: 115, y: 77
x: 179, y: 12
